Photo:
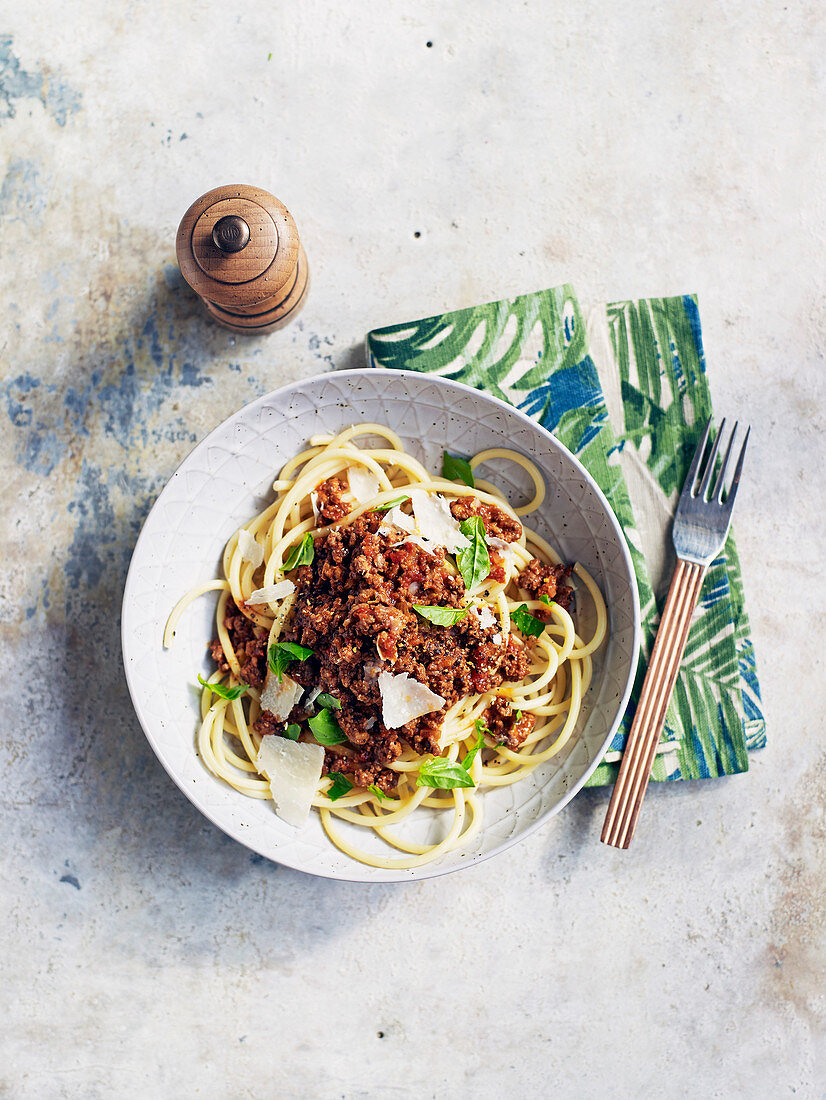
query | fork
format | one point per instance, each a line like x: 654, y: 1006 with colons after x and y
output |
x: 699, y: 533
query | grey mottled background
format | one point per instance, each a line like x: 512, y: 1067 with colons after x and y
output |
x: 434, y: 156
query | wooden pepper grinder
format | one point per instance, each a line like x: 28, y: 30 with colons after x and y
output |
x: 238, y: 249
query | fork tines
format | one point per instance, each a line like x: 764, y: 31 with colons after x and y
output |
x: 698, y: 481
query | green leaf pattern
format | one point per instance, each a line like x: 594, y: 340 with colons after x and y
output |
x: 532, y: 351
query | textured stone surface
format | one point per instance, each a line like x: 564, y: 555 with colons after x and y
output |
x: 645, y: 149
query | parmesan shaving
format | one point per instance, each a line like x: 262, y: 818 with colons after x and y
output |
x: 435, y: 522
x: 293, y: 769
x: 401, y: 519
x: 363, y: 484
x: 280, y: 696
x: 272, y: 592
x: 314, y: 502
x: 251, y: 549
x: 404, y: 699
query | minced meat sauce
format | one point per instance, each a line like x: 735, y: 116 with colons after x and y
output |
x: 353, y: 609
x: 540, y: 579
x: 249, y: 642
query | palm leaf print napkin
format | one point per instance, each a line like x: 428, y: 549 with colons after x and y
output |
x: 628, y: 395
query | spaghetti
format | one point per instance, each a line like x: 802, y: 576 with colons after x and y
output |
x: 492, y: 616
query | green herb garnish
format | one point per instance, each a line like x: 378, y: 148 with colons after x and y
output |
x: 519, y: 716
x: 441, y: 616
x: 224, y: 692
x: 341, y: 785
x: 457, y: 469
x: 390, y: 504
x: 444, y: 774
x: 293, y: 731
x: 471, y: 756
x: 527, y: 623
x: 547, y: 600
x: 474, y: 561
x: 281, y: 654
x: 301, y: 554
x: 379, y: 793
x: 326, y: 729
x: 329, y: 701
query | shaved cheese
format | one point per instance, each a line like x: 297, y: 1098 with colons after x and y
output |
x: 497, y: 543
x: 385, y: 530
x: 272, y: 592
x: 314, y: 502
x: 401, y: 519
x: 435, y: 522
x: 280, y: 696
x: 251, y: 550
x: 404, y: 699
x: 483, y: 613
x: 293, y: 769
x: 497, y: 639
x: 363, y: 484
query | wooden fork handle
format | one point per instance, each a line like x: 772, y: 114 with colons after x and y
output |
x: 657, y: 688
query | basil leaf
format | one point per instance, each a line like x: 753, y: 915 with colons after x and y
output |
x: 457, y: 469
x: 224, y: 692
x: 281, y: 654
x: 390, y: 504
x: 293, y: 731
x: 326, y: 729
x: 519, y: 716
x: 301, y: 554
x: 481, y: 726
x: 325, y: 700
x: 341, y: 785
x: 547, y: 600
x: 471, y: 756
x: 379, y: 793
x: 441, y: 616
x: 444, y: 774
x: 474, y: 561
x: 526, y: 622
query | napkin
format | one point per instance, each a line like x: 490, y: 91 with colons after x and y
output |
x: 627, y: 392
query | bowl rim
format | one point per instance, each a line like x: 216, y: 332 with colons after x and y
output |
x: 358, y: 873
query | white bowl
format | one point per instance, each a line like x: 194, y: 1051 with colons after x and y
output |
x: 226, y: 480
